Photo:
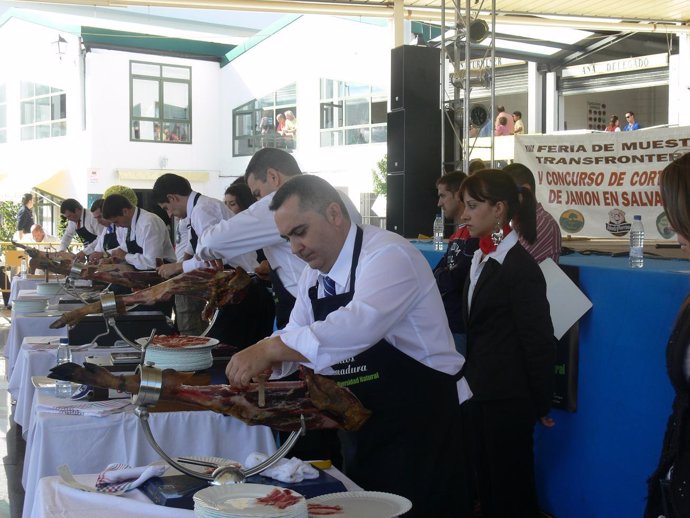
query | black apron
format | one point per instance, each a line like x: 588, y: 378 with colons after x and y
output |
x: 243, y: 324
x: 285, y: 301
x: 110, y: 239
x: 409, y: 444
x: 193, y: 237
x: 86, y: 237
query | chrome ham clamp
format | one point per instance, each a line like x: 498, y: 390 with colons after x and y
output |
x: 149, y: 391
x: 109, y: 308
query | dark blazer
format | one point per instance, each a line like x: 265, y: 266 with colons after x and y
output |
x: 511, y: 349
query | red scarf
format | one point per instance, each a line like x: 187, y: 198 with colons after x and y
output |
x: 487, y: 245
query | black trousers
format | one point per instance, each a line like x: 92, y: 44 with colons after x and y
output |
x: 244, y: 324
x: 499, y: 453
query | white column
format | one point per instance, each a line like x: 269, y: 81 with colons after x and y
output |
x: 553, y: 104
x: 398, y: 23
x: 535, y: 107
x: 679, y: 80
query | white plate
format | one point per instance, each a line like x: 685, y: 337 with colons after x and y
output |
x: 240, y: 501
x: 210, y: 342
x: 44, y: 382
x: 365, y: 504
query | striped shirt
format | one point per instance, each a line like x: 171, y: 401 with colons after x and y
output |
x: 548, y: 242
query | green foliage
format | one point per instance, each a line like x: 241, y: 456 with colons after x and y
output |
x: 8, y: 219
x: 379, y: 175
x: 62, y: 226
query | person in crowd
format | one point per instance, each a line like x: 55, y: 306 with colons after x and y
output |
x: 107, y: 239
x: 237, y: 324
x: 502, y: 127
x: 280, y: 124
x: 614, y: 124
x: 80, y: 222
x: 510, y: 346
x: 145, y: 237
x: 350, y: 317
x: 668, y: 486
x: 476, y: 164
x: 38, y: 235
x: 254, y: 228
x: 290, y: 129
x: 548, y: 240
x: 452, y: 269
x: 509, y: 119
x: 632, y: 124
x: 518, y: 125
x: 25, y: 216
x: 238, y: 197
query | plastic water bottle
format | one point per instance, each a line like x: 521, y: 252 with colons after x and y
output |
x: 438, y: 233
x: 23, y: 268
x: 637, y: 243
x: 63, y: 389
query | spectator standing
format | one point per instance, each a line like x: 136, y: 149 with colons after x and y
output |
x: 25, y: 216
x: 548, y: 240
x: 632, y: 123
x: 614, y: 124
x: 518, y: 125
x: 502, y: 127
x: 451, y: 271
x: 509, y: 119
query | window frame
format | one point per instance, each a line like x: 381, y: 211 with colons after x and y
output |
x: 160, y: 119
x: 339, y: 99
x: 56, y: 126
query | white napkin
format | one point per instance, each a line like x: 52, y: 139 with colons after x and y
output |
x: 90, y: 408
x: 121, y: 477
x: 285, y: 470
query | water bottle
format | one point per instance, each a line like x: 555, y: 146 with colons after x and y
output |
x: 438, y: 233
x: 23, y: 268
x: 637, y: 243
x: 63, y: 389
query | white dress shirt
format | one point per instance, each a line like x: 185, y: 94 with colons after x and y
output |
x: 395, y: 298
x: 206, y: 213
x: 478, y: 261
x: 101, y: 237
x: 89, y: 223
x: 181, y: 238
x: 254, y: 229
x: 151, y: 234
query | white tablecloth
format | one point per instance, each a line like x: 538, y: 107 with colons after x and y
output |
x: 56, y: 500
x: 33, y: 360
x: 30, y: 283
x: 23, y: 325
x: 89, y: 444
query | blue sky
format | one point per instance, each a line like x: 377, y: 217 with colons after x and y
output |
x: 237, y: 18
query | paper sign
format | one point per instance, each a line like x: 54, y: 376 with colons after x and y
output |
x: 567, y: 301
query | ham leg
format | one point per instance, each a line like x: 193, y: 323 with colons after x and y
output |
x: 322, y: 402
x: 218, y: 287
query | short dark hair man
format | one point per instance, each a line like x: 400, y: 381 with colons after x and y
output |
x: 548, y: 242
x: 366, y: 317
x: 80, y: 222
x: 631, y: 123
x: 146, y: 237
x: 452, y: 269
x: 255, y: 228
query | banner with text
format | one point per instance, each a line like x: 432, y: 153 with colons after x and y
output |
x: 593, y: 184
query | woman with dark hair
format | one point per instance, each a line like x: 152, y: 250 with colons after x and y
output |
x: 238, y: 197
x: 614, y: 124
x: 25, y: 217
x: 510, y: 346
x: 669, y: 485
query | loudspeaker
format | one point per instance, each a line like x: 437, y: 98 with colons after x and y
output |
x: 414, y: 164
x: 415, y: 77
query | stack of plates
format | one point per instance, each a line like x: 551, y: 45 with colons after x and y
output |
x: 49, y: 288
x: 240, y: 501
x: 30, y: 304
x: 187, y: 358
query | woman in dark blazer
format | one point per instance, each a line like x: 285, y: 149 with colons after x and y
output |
x: 510, y: 346
x: 669, y: 485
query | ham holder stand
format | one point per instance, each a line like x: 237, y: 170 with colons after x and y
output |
x: 149, y: 392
